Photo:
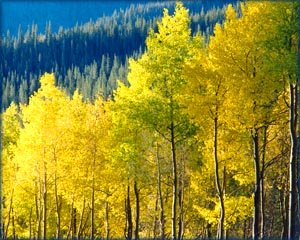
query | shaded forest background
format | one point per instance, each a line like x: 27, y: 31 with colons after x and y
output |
x: 91, y: 56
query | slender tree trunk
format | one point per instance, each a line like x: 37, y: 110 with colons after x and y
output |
x: 9, y: 214
x: 45, y: 205
x: 181, y: 201
x: 220, y: 234
x: 126, y: 214
x: 13, y: 224
x: 270, y: 232
x: 262, y: 189
x: 38, y: 215
x: 74, y: 223
x: 83, y: 228
x: 80, y: 226
x: 71, y: 221
x: 257, y: 191
x: 155, y: 220
x: 208, y: 231
x: 93, y: 211
x: 57, y: 198
x: 174, y: 171
x: 30, y: 221
x: 245, y: 230
x: 293, y: 162
x: 180, y: 222
x: 224, y: 181
x: 284, y: 214
x: 225, y: 231
x: 107, y: 220
x: 58, y: 208
x: 129, y: 215
x: 161, y: 200
x: 137, y: 210
x: 93, y: 197
x: 262, y: 207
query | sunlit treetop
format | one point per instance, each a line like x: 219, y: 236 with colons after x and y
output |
x: 48, y: 79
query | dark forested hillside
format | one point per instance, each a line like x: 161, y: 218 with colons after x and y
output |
x: 91, y: 56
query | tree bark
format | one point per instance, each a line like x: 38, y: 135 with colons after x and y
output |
x: 220, y: 234
x: 129, y: 216
x: 58, y: 209
x: 181, y: 201
x: 13, y: 224
x: 284, y: 213
x: 74, y: 223
x: 71, y: 221
x: 38, y: 213
x: 161, y: 200
x: 93, y: 209
x: 85, y: 224
x: 180, y: 222
x: 257, y: 190
x: 245, y: 230
x: 293, y: 118
x: 80, y: 226
x: 208, y: 231
x: 155, y: 220
x: 262, y: 188
x: 262, y: 207
x: 107, y: 220
x: 9, y: 215
x: 30, y: 221
x: 57, y: 198
x: 174, y: 172
x: 137, y: 211
x: 126, y: 220
x: 45, y: 205
x: 93, y: 193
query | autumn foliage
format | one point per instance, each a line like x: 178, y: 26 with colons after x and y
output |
x: 197, y: 144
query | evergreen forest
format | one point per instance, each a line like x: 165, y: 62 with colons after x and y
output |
x: 90, y: 57
x: 154, y: 124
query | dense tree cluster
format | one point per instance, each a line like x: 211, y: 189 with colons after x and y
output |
x: 73, y: 53
x: 200, y: 142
